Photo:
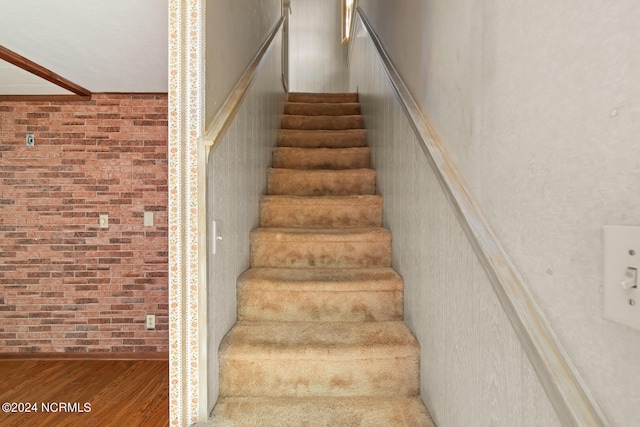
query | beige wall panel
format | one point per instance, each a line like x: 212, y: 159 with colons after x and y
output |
x: 538, y: 104
x: 317, y: 61
x: 473, y: 368
x: 236, y: 178
x: 235, y: 30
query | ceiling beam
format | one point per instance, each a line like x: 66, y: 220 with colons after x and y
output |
x: 30, y: 66
x: 43, y: 98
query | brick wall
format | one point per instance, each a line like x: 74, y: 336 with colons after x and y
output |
x: 67, y: 285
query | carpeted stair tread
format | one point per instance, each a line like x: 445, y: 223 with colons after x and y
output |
x: 339, y: 235
x: 322, y: 138
x: 333, y: 340
x: 297, y: 182
x: 323, y: 97
x: 319, y: 359
x: 322, y: 122
x: 320, y: 248
x: 327, y: 295
x: 322, y: 108
x: 321, y: 212
x: 322, y: 158
x: 330, y: 279
x: 358, y: 411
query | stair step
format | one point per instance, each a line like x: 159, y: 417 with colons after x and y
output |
x: 322, y: 122
x: 320, y: 340
x: 323, y: 97
x: 322, y: 108
x: 368, y: 411
x: 296, y: 182
x: 322, y: 138
x: 325, y: 295
x: 322, y: 158
x: 321, y: 212
x: 301, y: 359
x: 325, y: 248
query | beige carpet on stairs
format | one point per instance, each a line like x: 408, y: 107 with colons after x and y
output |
x: 320, y: 339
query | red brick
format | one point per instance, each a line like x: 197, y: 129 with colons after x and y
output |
x: 60, y: 273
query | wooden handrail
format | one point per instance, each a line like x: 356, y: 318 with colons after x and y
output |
x: 232, y: 104
x: 574, y: 404
x: 42, y: 72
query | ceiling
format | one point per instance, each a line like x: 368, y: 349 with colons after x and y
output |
x: 100, y: 45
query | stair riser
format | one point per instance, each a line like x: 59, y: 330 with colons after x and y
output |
x: 321, y: 183
x: 322, y: 109
x: 365, y: 411
x: 302, y: 254
x: 321, y: 158
x: 319, y: 306
x: 299, y: 377
x: 320, y: 216
x: 326, y: 97
x: 322, y: 139
x: 322, y: 122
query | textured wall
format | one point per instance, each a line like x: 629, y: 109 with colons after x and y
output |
x: 235, y: 30
x: 103, y: 46
x: 236, y: 178
x: 473, y: 369
x: 317, y: 58
x: 536, y: 102
x: 67, y: 285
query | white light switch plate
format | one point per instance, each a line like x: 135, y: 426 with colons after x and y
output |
x: 104, y: 221
x: 621, y: 251
x: 148, y: 219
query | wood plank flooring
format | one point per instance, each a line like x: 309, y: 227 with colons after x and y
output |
x: 85, y: 393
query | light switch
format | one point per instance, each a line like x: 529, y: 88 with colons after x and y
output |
x: 148, y: 219
x: 630, y: 279
x: 621, y: 263
x: 104, y: 221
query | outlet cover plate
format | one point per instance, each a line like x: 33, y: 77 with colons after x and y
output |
x: 621, y: 251
x: 151, y: 321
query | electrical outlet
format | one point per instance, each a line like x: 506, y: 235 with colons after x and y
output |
x: 151, y: 321
x: 104, y: 221
x: 30, y: 140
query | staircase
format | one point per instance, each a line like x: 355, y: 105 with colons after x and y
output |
x: 320, y: 339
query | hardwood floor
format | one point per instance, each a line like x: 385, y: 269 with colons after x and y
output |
x: 85, y: 393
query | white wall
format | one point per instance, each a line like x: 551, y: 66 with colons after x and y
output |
x: 236, y: 171
x: 473, y: 370
x: 537, y: 101
x: 103, y: 46
x: 317, y: 58
x: 235, y: 30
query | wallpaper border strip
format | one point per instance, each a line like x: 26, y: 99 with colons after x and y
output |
x: 186, y: 110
